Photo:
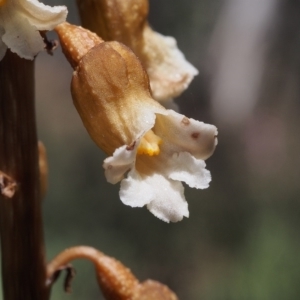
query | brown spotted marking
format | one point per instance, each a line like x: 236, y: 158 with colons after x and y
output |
x: 195, y: 135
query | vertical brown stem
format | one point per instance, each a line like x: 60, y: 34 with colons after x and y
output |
x: 21, y: 228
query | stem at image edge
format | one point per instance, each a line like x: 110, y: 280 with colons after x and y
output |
x: 21, y: 227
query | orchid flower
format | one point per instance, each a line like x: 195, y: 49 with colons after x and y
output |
x: 20, y: 23
x: 151, y: 149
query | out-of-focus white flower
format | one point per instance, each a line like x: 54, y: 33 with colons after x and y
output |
x: 20, y: 23
x: 157, y: 148
x: 169, y: 72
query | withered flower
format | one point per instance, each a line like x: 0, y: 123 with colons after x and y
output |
x: 20, y: 22
x: 126, y: 22
x: 158, y: 148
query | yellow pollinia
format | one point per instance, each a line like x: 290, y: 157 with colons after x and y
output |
x: 149, y: 144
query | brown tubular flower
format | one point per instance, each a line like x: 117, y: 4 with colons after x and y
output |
x: 126, y: 22
x: 157, y: 148
x: 115, y: 280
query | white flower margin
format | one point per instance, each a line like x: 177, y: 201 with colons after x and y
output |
x: 20, y: 23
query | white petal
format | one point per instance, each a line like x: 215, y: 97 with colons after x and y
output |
x: 3, y: 47
x: 180, y: 134
x: 43, y: 17
x: 20, y: 37
x: 190, y: 170
x: 117, y: 165
x: 164, y: 198
x: 169, y: 72
x: 135, y: 190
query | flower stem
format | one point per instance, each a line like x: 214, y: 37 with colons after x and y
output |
x: 115, y: 280
x: 21, y: 228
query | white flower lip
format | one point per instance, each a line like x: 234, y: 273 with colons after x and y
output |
x: 155, y: 181
x: 20, y: 22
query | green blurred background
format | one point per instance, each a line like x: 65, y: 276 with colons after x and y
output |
x: 242, y: 238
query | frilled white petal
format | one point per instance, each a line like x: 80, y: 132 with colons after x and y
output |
x: 169, y: 72
x: 43, y: 17
x: 21, y: 20
x: 163, y: 197
x: 3, y: 47
x: 21, y: 37
x: 117, y: 165
x: 135, y: 191
x: 180, y: 134
x: 186, y: 168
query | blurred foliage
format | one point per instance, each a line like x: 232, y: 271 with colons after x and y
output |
x: 268, y: 267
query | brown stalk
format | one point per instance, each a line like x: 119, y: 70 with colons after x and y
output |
x: 21, y: 228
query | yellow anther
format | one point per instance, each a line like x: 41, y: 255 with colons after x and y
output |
x: 149, y: 144
x: 2, y: 2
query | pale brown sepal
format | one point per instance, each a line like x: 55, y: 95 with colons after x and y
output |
x: 8, y: 185
x: 76, y: 41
